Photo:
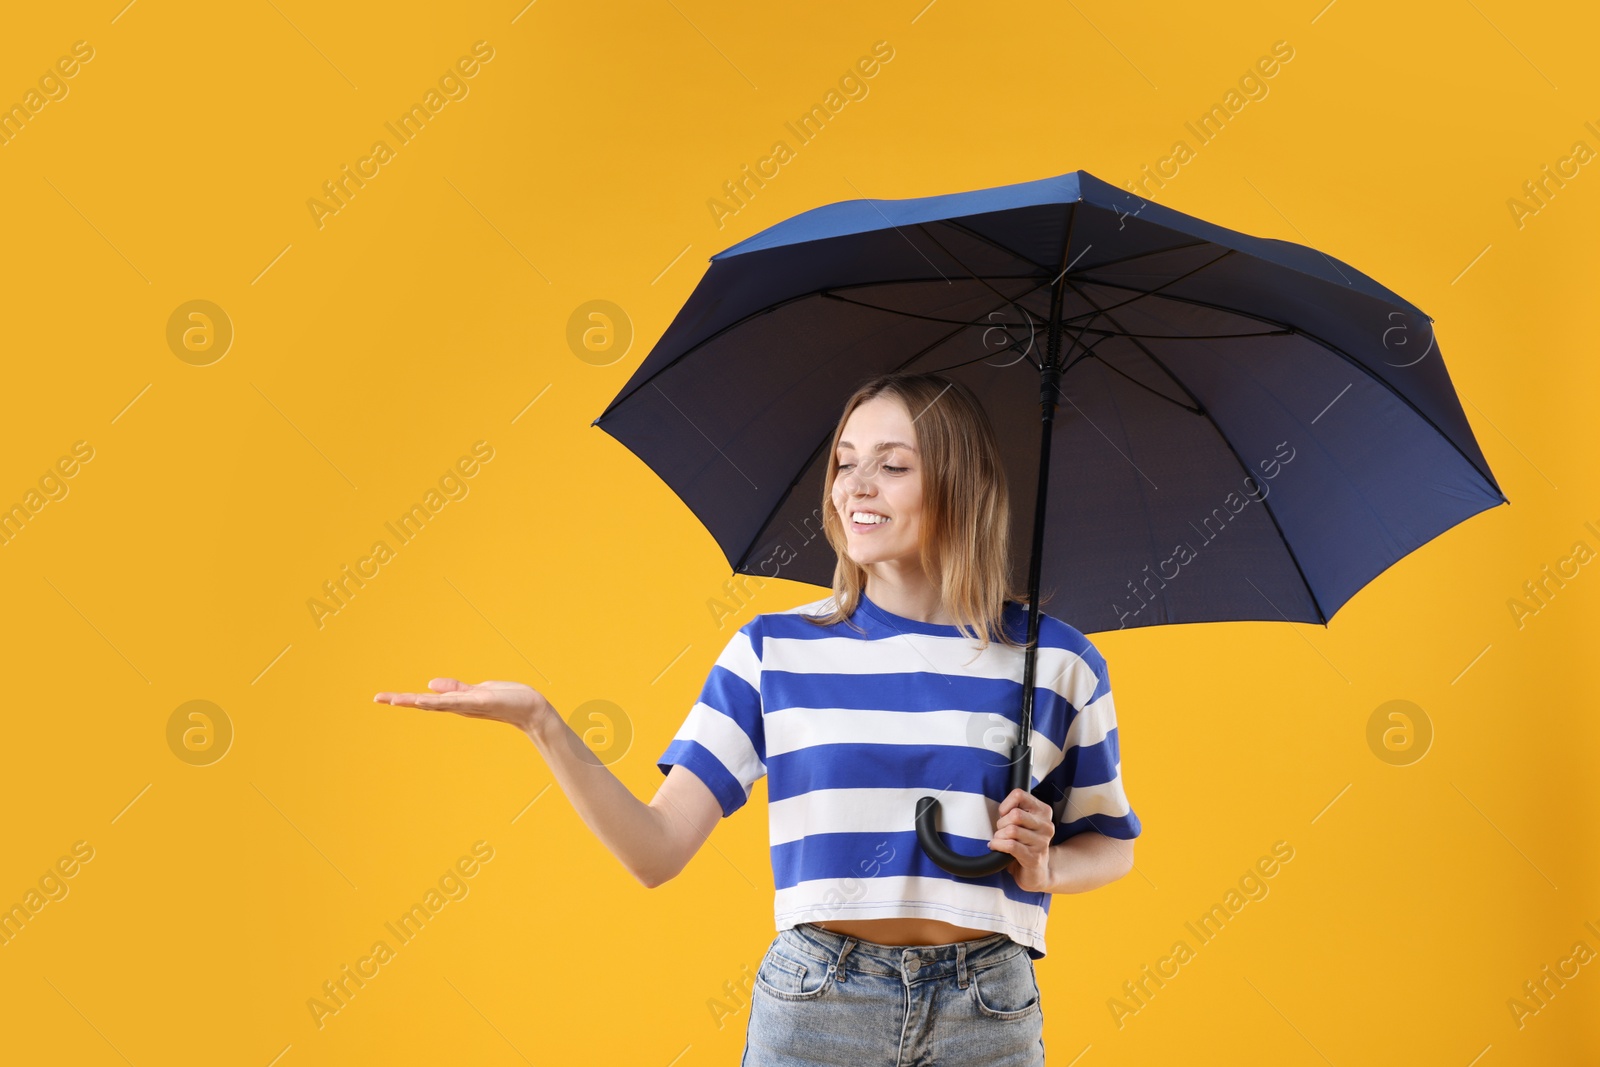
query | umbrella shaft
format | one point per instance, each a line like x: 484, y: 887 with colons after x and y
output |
x: 1049, y: 379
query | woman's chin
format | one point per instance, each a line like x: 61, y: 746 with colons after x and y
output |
x: 863, y: 557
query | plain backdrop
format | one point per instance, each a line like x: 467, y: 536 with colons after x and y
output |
x: 380, y: 338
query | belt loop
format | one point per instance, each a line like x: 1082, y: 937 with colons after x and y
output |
x: 961, y: 964
x: 849, y: 943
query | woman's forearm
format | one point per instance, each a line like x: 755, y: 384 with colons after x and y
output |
x: 1088, y: 861
x: 626, y: 825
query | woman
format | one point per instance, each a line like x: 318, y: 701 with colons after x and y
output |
x: 898, y: 685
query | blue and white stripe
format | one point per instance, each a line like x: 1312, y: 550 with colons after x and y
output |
x: 851, y: 728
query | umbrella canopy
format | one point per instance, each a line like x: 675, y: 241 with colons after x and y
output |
x: 1248, y: 428
x: 1252, y: 429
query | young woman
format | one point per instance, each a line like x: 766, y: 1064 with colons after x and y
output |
x: 899, y: 685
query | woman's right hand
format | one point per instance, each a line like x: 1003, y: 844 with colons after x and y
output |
x: 509, y: 702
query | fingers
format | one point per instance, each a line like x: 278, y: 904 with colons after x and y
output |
x: 1040, y: 838
x: 1024, y: 809
x: 424, y: 700
x: 429, y: 701
x: 1018, y: 798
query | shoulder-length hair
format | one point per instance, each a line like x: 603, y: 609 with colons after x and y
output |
x: 965, y: 542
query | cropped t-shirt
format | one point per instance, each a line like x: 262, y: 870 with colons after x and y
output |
x: 851, y: 728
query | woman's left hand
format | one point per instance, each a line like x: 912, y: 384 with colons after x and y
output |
x: 1024, y: 830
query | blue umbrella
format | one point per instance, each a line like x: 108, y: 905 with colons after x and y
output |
x: 1249, y: 428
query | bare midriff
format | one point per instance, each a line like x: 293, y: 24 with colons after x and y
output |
x: 904, y: 931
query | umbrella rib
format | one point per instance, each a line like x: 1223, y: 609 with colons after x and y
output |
x: 784, y: 496
x: 985, y: 355
x: 1331, y: 347
x: 970, y: 272
x: 769, y: 308
x: 1042, y: 269
x: 954, y: 225
x: 1085, y: 329
x: 1150, y: 252
x: 1021, y: 277
x: 686, y: 353
x: 924, y: 318
x: 1271, y: 512
x: 919, y: 281
x: 1182, y: 336
x: 1141, y: 293
x: 1102, y: 361
x: 1190, y: 336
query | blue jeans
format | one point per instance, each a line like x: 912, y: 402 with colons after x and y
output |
x: 825, y: 998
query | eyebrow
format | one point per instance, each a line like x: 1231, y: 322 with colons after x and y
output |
x: 883, y: 446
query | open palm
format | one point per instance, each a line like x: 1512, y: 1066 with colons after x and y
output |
x: 508, y: 702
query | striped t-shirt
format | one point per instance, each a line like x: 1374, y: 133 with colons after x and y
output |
x: 851, y: 728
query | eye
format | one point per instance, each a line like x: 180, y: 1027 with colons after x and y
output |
x: 901, y: 470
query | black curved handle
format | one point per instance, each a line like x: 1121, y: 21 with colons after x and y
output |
x: 947, y: 857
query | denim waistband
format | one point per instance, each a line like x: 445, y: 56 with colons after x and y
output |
x: 913, y: 962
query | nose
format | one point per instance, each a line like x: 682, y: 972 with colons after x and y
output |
x: 857, y: 485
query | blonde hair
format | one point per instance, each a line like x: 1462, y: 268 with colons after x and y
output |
x: 965, y: 542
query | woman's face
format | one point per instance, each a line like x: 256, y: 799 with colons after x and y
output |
x: 880, y: 471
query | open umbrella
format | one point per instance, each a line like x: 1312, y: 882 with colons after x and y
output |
x: 1251, y: 429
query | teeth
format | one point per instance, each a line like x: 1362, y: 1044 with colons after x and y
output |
x: 867, y: 518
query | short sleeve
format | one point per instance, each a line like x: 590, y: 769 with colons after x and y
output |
x: 1085, y: 789
x: 722, y: 740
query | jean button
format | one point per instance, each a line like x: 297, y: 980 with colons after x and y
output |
x: 914, y: 965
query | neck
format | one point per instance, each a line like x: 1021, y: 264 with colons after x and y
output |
x: 911, y: 596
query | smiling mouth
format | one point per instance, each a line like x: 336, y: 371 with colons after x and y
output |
x: 864, y: 527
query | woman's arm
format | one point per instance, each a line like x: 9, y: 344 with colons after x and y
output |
x: 1088, y: 861
x: 1082, y: 862
x: 654, y: 841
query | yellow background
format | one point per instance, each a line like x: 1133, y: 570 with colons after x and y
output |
x: 431, y: 312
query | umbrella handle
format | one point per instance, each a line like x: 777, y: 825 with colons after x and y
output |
x: 949, y: 858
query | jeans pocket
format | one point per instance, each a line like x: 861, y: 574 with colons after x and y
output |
x: 1007, y: 990
x: 788, y: 974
